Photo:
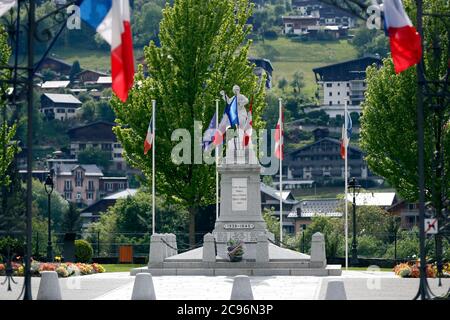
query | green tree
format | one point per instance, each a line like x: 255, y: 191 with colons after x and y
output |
x: 370, y: 41
x: 7, y: 131
x: 282, y: 84
x: 71, y: 220
x: 297, y: 82
x: 95, y: 156
x: 76, y: 69
x: 203, y: 50
x: 59, y: 205
x: 146, y: 23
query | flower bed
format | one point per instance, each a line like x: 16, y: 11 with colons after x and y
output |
x: 412, y: 270
x: 64, y: 270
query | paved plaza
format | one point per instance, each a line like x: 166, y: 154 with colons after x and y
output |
x: 359, y: 285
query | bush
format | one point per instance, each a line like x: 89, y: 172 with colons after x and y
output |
x: 83, y: 251
x: 270, y: 34
x: 15, y: 247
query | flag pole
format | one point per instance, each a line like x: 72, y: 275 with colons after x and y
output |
x: 217, y: 162
x: 346, y: 184
x: 281, y: 172
x: 153, y: 167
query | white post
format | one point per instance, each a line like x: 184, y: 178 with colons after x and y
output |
x: 217, y: 162
x: 346, y: 185
x: 281, y: 171
x: 153, y: 166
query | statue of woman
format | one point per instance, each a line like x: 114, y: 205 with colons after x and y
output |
x: 241, y: 102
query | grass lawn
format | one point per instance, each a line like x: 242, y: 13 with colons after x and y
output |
x: 120, y: 267
x: 289, y: 57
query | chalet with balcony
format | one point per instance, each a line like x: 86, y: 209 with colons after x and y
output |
x: 59, y: 106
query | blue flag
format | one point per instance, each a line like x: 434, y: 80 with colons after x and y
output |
x: 208, y: 137
x: 349, y: 125
x: 232, y: 112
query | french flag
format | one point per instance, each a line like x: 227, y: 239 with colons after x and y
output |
x: 111, y: 19
x: 405, y: 41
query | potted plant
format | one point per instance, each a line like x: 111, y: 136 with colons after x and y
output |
x: 235, y: 250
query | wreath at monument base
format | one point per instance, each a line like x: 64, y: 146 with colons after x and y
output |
x: 235, y: 250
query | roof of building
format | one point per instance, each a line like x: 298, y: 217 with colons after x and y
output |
x: 55, y: 84
x: 380, y: 199
x: 318, y: 207
x: 94, y: 131
x: 347, y: 70
x: 62, y: 98
x: 103, y: 204
x: 274, y: 193
x: 122, y: 194
x: 350, y: 147
x: 66, y: 169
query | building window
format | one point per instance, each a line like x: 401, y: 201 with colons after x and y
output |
x: 106, y: 146
x: 68, y: 195
x: 117, y: 145
x: 78, y: 195
x: 68, y: 185
x: 339, y: 93
x: 330, y: 94
x: 90, y: 195
x: 82, y: 146
x: 339, y: 102
x: 90, y: 185
x: 330, y: 103
x: 109, y: 186
x: 117, y: 155
x: 348, y: 84
x: 329, y: 85
x: 78, y: 179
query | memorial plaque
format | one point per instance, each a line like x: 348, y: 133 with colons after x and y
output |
x: 239, y: 194
x: 238, y: 226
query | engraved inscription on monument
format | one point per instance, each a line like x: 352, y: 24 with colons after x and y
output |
x: 239, y: 194
x: 238, y: 226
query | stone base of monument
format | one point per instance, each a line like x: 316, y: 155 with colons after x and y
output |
x: 240, y: 220
x: 203, y: 261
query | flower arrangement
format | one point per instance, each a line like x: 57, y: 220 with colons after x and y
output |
x: 235, y: 250
x: 63, y: 270
x: 412, y: 270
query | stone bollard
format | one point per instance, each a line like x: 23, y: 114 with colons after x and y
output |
x: 335, y: 290
x: 156, y: 249
x: 209, y: 248
x: 242, y: 289
x: 262, y: 249
x: 143, y: 288
x: 174, y: 244
x: 318, y: 255
x: 49, y: 288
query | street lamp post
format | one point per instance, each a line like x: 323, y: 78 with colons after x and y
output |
x: 354, y: 187
x: 48, y: 184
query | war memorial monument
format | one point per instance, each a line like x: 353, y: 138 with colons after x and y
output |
x: 242, y: 223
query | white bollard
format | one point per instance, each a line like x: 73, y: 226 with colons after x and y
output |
x: 242, y: 289
x: 49, y: 288
x: 335, y: 290
x: 143, y: 288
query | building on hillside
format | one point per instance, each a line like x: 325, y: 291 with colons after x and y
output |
x: 262, y: 67
x: 59, y: 106
x: 93, y: 212
x: 55, y: 85
x: 58, y: 66
x: 270, y: 200
x: 89, y: 76
x: 343, y: 83
x: 299, y: 24
x: 407, y: 212
x: 98, y: 135
x: 321, y: 162
x: 104, y: 82
x: 84, y: 184
x: 328, y: 14
x: 326, y: 32
x: 305, y: 210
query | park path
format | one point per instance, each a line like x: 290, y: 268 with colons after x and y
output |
x: 371, y: 285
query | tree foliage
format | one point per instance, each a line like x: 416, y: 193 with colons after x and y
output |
x: 203, y: 50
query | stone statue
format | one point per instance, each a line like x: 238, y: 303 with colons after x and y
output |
x: 242, y: 101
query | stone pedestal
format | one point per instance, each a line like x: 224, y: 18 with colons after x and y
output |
x: 240, y: 207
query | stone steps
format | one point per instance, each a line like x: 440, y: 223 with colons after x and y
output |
x: 234, y: 265
x: 330, y: 270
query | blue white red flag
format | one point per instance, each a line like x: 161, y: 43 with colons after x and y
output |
x: 111, y: 19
